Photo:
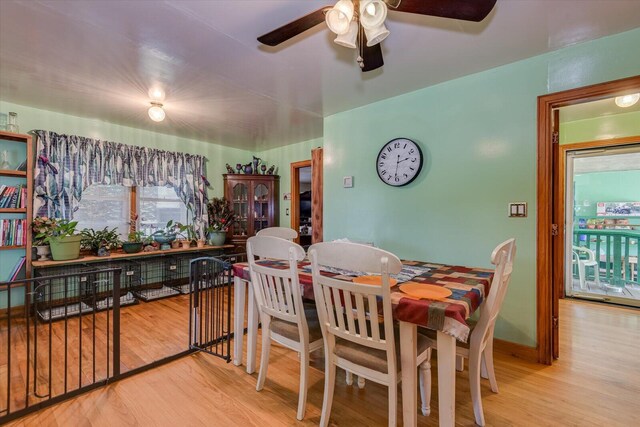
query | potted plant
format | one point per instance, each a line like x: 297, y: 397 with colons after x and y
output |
x: 188, y: 234
x: 221, y: 217
x: 41, y: 227
x: 100, y: 242
x: 63, y: 240
x: 134, y: 243
x: 166, y: 235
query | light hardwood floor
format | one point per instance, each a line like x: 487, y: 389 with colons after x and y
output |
x: 596, y: 382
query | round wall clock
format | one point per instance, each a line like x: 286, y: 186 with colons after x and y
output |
x: 399, y: 162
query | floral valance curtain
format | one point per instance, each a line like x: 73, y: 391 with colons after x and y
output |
x: 67, y: 164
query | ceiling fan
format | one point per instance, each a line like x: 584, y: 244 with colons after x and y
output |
x: 359, y: 24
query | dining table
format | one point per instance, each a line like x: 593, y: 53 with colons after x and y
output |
x: 448, y: 317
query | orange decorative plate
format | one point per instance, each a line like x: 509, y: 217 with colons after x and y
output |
x: 373, y: 280
x: 424, y: 291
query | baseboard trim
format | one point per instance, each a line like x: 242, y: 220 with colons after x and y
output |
x: 524, y: 352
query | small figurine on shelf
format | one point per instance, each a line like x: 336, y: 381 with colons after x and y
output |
x: 271, y: 169
x: 229, y: 168
x: 256, y: 163
x: 263, y: 168
x: 239, y: 168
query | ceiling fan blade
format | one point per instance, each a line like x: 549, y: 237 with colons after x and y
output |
x: 372, y: 56
x: 294, y: 28
x: 467, y: 10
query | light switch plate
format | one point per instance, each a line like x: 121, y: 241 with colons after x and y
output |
x: 347, y: 182
x: 518, y: 210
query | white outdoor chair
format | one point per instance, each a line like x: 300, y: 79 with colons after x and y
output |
x: 281, y: 232
x: 354, y: 338
x: 284, y: 318
x: 479, y: 348
x: 591, y: 261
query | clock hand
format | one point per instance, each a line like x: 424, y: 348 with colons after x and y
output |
x: 400, y: 161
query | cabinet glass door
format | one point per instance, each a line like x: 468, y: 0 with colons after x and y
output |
x: 240, y: 200
x: 260, y: 207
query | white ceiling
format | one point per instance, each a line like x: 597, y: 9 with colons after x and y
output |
x: 608, y: 162
x: 98, y: 59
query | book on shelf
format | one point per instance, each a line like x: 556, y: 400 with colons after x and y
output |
x: 22, y: 166
x: 12, y: 197
x: 13, y: 232
x: 18, y: 271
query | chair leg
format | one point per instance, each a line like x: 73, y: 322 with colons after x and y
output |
x: 304, y: 381
x: 425, y: 387
x: 581, y: 277
x: 329, y: 385
x: 264, y: 355
x: 459, y: 363
x: 361, y: 383
x: 393, y: 404
x: 349, y: 377
x: 487, y: 357
x: 474, y: 385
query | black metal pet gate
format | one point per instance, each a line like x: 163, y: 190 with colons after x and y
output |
x: 60, y: 334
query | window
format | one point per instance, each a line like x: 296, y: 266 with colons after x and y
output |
x: 110, y: 206
x: 104, y: 206
x: 158, y: 205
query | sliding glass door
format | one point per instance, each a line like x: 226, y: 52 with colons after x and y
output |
x: 603, y: 224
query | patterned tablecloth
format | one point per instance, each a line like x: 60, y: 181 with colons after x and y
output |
x: 468, y: 285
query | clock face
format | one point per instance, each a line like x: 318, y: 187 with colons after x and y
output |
x: 399, y: 162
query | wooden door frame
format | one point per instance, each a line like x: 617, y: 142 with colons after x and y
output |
x: 547, y: 247
x: 295, y: 193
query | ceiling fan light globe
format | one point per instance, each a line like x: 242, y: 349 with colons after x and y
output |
x: 627, y: 100
x: 372, y: 13
x: 350, y: 38
x: 156, y: 113
x: 340, y: 16
x: 376, y: 35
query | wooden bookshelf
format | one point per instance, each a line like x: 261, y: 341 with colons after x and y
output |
x: 27, y: 176
x: 9, y: 248
x: 13, y: 210
x: 6, y: 172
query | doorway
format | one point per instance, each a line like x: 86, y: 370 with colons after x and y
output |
x: 307, y: 199
x: 602, y: 223
x: 550, y: 245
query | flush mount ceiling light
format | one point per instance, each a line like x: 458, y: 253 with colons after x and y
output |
x: 156, y: 113
x: 627, y: 100
x: 156, y: 94
x: 360, y: 24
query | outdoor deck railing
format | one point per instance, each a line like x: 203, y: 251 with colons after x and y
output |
x: 616, y: 251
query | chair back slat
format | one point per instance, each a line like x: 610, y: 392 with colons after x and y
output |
x: 277, y: 291
x: 281, y: 232
x: 335, y: 298
x: 502, y: 257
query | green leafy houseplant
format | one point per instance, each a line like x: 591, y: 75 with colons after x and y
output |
x: 100, y: 241
x: 41, y: 227
x: 221, y: 217
x: 167, y: 234
x: 64, y: 242
x: 135, y: 242
x: 187, y: 233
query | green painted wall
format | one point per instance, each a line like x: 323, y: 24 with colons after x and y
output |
x: 478, y: 134
x: 607, y: 127
x: 282, y: 157
x: 594, y: 187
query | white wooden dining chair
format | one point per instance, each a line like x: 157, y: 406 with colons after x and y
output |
x: 354, y: 338
x: 479, y: 348
x: 281, y: 232
x: 284, y: 318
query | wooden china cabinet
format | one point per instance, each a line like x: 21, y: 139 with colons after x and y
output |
x: 254, y: 199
